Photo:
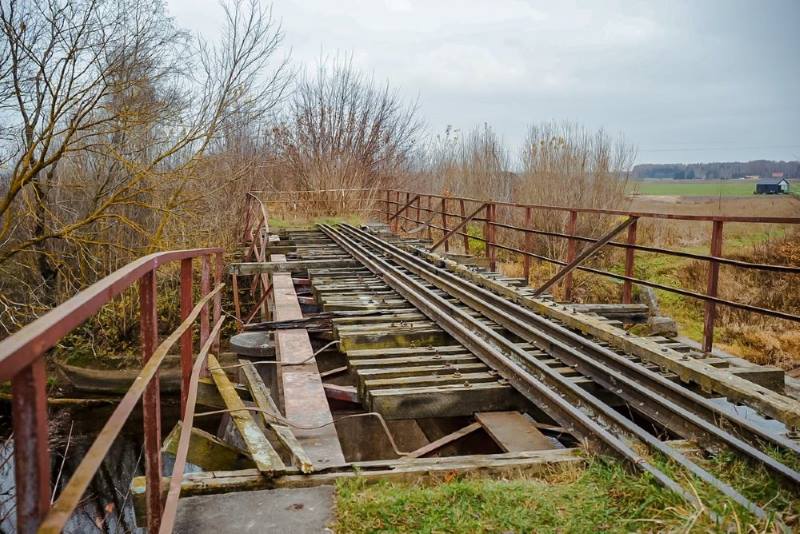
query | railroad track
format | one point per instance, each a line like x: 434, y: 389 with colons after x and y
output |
x: 473, y: 316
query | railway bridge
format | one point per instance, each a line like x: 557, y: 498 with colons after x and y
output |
x: 396, y: 350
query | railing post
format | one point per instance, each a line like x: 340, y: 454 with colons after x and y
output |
x: 711, y: 291
x: 205, y: 288
x: 217, y: 298
x: 627, y: 285
x: 466, y: 228
x: 488, y: 235
x: 429, y: 218
x: 388, y: 207
x: 31, y: 448
x: 186, y: 338
x: 151, y: 403
x: 418, y: 203
x: 526, y: 260
x: 444, y: 224
x: 571, y: 227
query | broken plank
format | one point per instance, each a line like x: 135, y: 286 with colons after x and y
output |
x: 265, y: 457
x: 263, y: 400
x: 445, y: 440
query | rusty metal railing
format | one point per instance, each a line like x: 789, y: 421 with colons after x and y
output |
x: 423, y: 209
x: 22, y: 361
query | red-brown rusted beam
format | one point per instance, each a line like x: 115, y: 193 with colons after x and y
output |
x: 31, y: 448
x: 444, y: 225
x: 461, y: 225
x: 186, y: 338
x: 237, y: 308
x: 463, y: 215
x: 217, y: 309
x: 526, y: 260
x: 151, y: 401
x: 627, y: 287
x: 589, y: 252
x: 205, y: 287
x: 711, y: 290
x: 571, y: 249
x: 405, y: 206
x: 643, y: 214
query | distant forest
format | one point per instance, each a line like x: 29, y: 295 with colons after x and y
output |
x: 718, y: 170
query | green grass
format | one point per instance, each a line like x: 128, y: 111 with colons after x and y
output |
x: 695, y: 188
x: 603, y: 497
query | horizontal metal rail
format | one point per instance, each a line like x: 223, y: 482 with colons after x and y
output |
x: 714, y: 259
x: 567, y: 402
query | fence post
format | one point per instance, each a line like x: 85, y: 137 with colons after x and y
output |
x: 444, y: 224
x: 526, y: 260
x: 151, y: 403
x: 388, y: 209
x: 571, y: 227
x: 488, y: 235
x: 466, y: 228
x: 711, y: 291
x: 627, y: 285
x: 186, y: 337
x: 217, y: 298
x: 205, y: 288
x: 429, y: 218
x: 31, y: 447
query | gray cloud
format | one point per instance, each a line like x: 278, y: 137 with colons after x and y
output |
x: 685, y: 81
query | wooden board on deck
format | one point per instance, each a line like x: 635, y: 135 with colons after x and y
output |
x: 513, y: 431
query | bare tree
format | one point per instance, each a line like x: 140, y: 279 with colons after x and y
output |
x: 344, y: 131
x: 109, y: 109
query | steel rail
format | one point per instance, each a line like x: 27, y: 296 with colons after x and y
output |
x: 649, y: 393
x: 567, y: 402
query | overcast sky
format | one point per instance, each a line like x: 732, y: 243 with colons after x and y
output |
x: 684, y: 81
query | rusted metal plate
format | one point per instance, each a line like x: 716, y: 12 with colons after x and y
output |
x: 304, y: 402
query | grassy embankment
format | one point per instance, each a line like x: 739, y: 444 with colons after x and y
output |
x: 603, y: 497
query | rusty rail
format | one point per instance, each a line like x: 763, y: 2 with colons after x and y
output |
x: 390, y: 201
x: 22, y: 360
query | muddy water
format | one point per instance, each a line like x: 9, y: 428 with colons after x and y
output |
x: 107, y: 505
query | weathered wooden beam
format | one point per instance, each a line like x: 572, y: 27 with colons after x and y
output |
x: 265, y: 457
x: 443, y: 401
x: 342, y: 393
x: 445, y: 440
x: 287, y: 266
x: 413, y: 469
x: 264, y: 401
x: 513, y: 431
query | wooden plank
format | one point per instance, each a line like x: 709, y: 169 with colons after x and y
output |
x: 445, y: 440
x: 287, y: 266
x: 263, y: 399
x: 513, y: 431
x: 443, y: 401
x: 265, y: 457
x: 304, y: 402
